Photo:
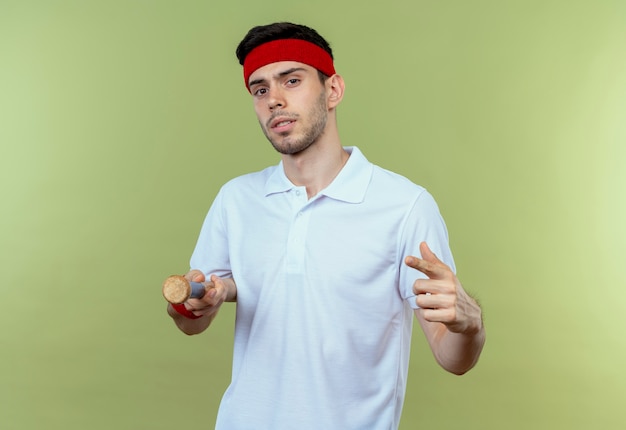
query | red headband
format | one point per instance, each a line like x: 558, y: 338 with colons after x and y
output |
x: 287, y: 50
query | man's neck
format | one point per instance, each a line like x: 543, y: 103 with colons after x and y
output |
x: 317, y: 166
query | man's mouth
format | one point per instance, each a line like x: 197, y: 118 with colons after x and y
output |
x: 280, y: 125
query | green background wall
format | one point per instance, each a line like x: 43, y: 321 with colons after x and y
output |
x: 119, y: 120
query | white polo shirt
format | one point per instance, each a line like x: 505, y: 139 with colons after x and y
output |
x: 324, y: 300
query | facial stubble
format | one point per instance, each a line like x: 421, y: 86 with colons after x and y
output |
x: 290, y: 145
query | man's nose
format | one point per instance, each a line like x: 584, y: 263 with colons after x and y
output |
x: 275, y: 99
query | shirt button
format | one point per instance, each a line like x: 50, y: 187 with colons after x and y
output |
x: 297, y: 192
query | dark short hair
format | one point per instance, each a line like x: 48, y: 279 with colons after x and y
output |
x: 280, y: 30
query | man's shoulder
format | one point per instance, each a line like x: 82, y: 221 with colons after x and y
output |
x: 252, y: 179
x: 386, y: 179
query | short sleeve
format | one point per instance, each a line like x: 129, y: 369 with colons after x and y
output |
x: 424, y: 223
x: 211, y: 253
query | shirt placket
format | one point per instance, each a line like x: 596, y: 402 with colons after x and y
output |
x: 296, y: 241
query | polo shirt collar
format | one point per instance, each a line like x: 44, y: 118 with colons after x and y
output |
x: 350, y: 185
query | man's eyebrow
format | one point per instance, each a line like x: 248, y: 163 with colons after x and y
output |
x: 278, y: 75
x: 255, y: 82
x: 290, y: 71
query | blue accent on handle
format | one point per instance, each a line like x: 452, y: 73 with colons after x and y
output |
x: 197, y: 290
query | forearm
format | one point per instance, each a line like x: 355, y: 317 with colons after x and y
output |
x: 231, y: 289
x: 457, y: 352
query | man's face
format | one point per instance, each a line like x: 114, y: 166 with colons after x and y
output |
x: 290, y: 103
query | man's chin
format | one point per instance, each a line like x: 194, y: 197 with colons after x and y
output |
x: 287, y: 148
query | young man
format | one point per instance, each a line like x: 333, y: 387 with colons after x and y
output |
x: 328, y: 258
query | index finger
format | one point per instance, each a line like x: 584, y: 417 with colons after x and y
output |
x: 195, y: 275
x: 431, y: 269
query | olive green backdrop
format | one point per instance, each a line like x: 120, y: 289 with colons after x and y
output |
x: 119, y: 120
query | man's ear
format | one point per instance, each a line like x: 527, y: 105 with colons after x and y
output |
x: 335, y: 87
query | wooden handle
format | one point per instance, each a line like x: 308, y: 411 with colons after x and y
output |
x: 177, y: 289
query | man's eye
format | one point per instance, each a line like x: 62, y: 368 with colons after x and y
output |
x: 260, y: 91
x: 293, y: 81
